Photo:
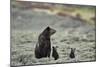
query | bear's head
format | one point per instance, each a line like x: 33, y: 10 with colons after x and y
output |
x: 49, y: 31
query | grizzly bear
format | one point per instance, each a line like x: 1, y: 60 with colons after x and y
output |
x: 55, y: 54
x: 43, y: 47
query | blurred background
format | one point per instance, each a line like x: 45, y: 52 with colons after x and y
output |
x: 31, y: 14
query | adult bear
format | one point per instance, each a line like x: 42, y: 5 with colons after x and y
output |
x: 43, y: 47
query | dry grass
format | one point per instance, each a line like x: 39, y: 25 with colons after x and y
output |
x: 23, y: 45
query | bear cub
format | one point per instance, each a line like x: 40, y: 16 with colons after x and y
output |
x: 55, y: 54
x: 72, y: 53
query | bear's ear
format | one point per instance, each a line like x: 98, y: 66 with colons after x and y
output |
x: 48, y: 28
x: 53, y: 47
